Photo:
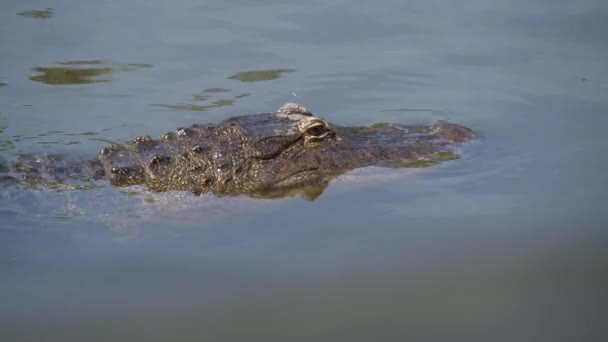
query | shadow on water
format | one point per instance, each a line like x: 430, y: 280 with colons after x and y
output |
x: 37, y: 14
x: 208, y: 94
x: 81, y: 72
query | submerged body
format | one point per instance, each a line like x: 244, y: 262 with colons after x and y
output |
x: 268, y: 155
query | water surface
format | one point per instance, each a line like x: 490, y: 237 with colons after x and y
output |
x: 506, y: 243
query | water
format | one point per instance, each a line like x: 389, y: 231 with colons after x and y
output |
x: 507, y: 243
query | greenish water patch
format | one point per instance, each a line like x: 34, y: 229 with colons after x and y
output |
x: 37, y: 14
x: 194, y: 107
x: 63, y: 75
x: 445, y: 155
x: 259, y: 75
x: 380, y: 125
x: 216, y: 90
x: 79, y: 134
x: 201, y: 97
x: 140, y: 65
x: 223, y: 102
x: 80, y: 72
x: 206, y: 95
x: 131, y: 193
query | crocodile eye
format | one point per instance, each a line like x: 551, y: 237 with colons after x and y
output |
x: 317, y: 131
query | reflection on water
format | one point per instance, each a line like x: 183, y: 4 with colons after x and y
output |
x: 201, y: 108
x: 208, y: 93
x: 259, y: 75
x: 5, y: 144
x: 55, y: 137
x: 80, y: 72
x: 37, y: 14
x: 47, y: 138
x: 205, y: 95
x: 215, y: 90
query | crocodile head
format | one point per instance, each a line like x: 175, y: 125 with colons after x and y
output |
x: 272, y: 154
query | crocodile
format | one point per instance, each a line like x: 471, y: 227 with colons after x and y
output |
x: 261, y: 155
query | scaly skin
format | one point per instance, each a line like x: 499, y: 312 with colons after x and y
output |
x: 268, y: 154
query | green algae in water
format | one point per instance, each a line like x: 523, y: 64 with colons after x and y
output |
x: 201, y: 97
x: 223, y: 102
x: 132, y: 193
x: 184, y: 107
x: 37, y: 14
x: 193, y: 107
x: 80, y: 72
x: 140, y: 65
x: 216, y: 90
x: 259, y: 75
x: 445, y: 155
x: 64, y: 75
